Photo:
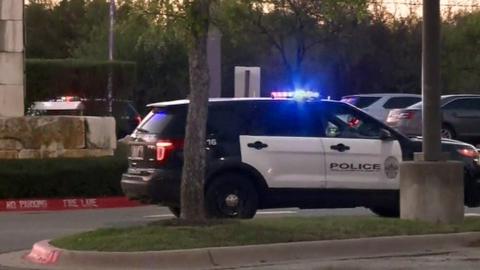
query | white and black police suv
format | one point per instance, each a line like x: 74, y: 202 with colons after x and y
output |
x: 269, y: 153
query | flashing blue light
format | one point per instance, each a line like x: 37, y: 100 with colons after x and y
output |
x: 299, y: 94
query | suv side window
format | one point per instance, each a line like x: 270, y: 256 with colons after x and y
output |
x: 228, y: 121
x: 293, y: 119
x: 361, y: 101
x: 468, y: 104
x: 343, y: 122
x: 400, y: 102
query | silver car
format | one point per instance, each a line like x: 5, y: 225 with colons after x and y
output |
x: 378, y: 105
x: 460, y: 118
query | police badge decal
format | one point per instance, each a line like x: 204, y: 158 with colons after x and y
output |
x: 391, y: 167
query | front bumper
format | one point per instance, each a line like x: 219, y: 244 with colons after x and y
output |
x: 472, y: 184
x: 152, y: 186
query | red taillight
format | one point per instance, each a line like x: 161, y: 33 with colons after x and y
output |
x: 467, y: 152
x: 395, y: 115
x: 405, y: 115
x: 166, y: 147
x: 138, y: 119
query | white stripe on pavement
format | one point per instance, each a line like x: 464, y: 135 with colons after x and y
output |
x: 159, y: 216
x: 258, y: 213
x: 275, y: 212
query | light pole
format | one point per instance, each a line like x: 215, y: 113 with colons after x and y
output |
x: 111, y: 44
x: 431, y: 80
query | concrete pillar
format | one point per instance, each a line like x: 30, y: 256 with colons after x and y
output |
x: 214, y: 58
x: 11, y: 58
x: 432, y: 191
x: 431, y: 188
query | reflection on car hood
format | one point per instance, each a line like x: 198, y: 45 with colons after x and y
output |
x: 444, y: 141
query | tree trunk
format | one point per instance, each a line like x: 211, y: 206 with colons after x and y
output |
x: 193, y: 174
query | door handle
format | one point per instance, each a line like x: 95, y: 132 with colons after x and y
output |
x: 257, y: 145
x: 340, y: 147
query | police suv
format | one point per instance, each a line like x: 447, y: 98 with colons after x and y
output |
x: 280, y: 152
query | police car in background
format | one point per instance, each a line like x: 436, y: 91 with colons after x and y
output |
x: 281, y: 152
x: 126, y: 117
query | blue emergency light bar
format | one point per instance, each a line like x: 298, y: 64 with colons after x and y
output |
x: 297, y: 94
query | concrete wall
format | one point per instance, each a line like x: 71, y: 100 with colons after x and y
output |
x: 56, y: 136
x: 11, y: 58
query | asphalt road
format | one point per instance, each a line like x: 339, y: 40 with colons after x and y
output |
x: 19, y: 231
x: 461, y: 258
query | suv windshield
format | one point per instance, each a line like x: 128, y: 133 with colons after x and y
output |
x: 360, y: 102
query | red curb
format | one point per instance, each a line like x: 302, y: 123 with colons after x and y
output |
x: 65, y: 204
x: 43, y: 253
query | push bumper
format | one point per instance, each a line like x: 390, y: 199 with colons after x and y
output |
x: 152, y: 186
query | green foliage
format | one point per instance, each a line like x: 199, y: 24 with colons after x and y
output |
x: 167, y: 236
x: 337, y: 47
x: 49, y: 78
x: 461, y: 58
x: 60, y: 178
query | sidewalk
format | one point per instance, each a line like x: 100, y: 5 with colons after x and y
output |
x: 298, y: 255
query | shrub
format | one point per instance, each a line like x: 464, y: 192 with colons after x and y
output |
x: 60, y: 178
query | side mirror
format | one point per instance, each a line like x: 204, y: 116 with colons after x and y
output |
x: 386, y: 135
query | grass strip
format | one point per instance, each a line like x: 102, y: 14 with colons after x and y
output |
x: 170, y: 235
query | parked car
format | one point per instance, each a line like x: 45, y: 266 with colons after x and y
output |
x: 126, y: 116
x: 460, y: 118
x: 379, y: 105
x: 268, y: 153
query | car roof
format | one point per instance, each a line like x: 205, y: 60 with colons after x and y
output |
x: 460, y: 95
x: 384, y: 95
x: 227, y: 100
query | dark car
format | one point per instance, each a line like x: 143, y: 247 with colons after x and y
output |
x: 268, y: 153
x: 460, y: 118
x: 126, y: 117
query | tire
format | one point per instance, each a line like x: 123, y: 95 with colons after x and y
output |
x: 447, y: 132
x: 175, y: 210
x: 231, y: 196
x: 385, y: 211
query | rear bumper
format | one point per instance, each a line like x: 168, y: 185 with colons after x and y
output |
x: 153, y: 186
x: 407, y: 128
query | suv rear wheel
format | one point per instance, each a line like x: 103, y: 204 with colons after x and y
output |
x: 447, y: 132
x: 231, y: 196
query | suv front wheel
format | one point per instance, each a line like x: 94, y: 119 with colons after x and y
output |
x: 231, y: 196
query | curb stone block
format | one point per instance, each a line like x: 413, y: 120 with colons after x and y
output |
x: 239, y: 256
x: 43, y: 253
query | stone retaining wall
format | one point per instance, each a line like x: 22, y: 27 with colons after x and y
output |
x: 56, y: 136
x: 11, y: 58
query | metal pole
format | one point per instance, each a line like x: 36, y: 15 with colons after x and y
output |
x: 431, y: 80
x: 111, y: 44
